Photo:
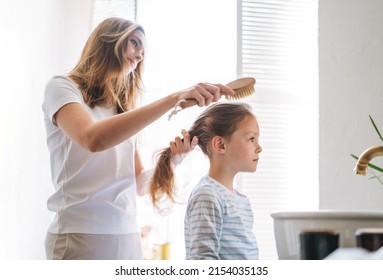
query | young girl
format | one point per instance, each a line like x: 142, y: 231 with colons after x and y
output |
x: 219, y: 219
x: 91, y: 118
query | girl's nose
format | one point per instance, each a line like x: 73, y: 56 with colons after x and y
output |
x: 259, y: 149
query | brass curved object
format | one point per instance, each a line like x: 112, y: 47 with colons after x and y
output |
x: 366, y: 157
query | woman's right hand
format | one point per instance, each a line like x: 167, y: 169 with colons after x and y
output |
x: 206, y: 93
x: 179, y: 148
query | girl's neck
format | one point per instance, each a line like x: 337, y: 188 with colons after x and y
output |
x: 223, y: 178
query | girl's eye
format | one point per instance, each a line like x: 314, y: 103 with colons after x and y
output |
x: 252, y: 139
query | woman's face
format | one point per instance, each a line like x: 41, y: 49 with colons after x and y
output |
x: 134, y: 52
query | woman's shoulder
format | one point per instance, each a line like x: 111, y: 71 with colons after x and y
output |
x: 60, y: 90
x: 61, y: 85
x: 60, y: 80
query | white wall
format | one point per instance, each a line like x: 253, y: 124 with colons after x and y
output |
x: 351, y: 88
x: 39, y: 38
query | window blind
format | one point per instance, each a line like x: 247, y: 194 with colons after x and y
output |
x: 278, y: 45
x: 103, y: 9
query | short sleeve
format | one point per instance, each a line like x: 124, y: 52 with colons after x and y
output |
x: 59, y: 91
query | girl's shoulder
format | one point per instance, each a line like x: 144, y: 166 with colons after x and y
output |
x: 209, y: 188
x: 205, y: 196
x: 204, y: 189
x: 206, y: 184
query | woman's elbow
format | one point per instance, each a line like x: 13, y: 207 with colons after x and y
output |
x: 93, y: 144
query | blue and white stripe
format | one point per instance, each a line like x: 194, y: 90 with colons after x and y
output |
x: 219, y: 224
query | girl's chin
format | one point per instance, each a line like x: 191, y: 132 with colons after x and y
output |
x: 250, y: 170
x: 254, y: 168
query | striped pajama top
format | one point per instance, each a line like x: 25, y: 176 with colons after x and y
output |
x: 218, y: 224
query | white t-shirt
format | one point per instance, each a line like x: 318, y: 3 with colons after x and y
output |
x: 95, y: 193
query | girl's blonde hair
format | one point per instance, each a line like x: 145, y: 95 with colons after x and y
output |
x: 100, y: 72
x: 220, y: 119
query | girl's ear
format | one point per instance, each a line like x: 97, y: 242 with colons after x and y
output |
x: 218, y: 144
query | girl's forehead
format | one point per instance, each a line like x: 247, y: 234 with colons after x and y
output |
x: 249, y: 124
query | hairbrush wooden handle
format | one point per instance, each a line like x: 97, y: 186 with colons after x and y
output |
x: 188, y: 103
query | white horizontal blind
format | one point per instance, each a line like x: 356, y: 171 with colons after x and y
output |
x: 278, y: 45
x: 103, y: 9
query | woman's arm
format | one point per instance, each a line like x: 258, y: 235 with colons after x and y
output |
x: 143, y: 177
x: 78, y: 125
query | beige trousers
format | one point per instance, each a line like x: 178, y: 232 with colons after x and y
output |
x: 80, y: 246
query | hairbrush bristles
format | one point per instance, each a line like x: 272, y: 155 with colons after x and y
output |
x: 242, y: 87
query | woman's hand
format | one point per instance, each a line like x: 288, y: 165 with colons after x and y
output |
x: 179, y: 148
x: 206, y: 93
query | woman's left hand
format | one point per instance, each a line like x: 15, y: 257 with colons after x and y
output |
x: 179, y: 148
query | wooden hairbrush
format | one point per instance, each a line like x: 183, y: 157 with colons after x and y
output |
x: 242, y: 87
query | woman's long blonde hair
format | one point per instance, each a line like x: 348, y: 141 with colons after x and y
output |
x: 220, y: 119
x: 100, y: 72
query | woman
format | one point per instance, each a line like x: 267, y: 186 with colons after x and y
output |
x: 91, y: 119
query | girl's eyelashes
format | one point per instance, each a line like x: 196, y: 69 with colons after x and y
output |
x: 254, y: 139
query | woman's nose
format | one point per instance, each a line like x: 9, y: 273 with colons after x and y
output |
x: 139, y: 54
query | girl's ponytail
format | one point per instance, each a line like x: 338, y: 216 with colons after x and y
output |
x: 162, y: 181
